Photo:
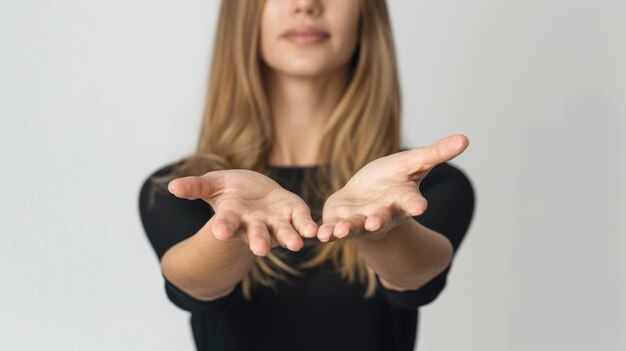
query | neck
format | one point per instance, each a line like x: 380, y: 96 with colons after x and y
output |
x: 300, y: 108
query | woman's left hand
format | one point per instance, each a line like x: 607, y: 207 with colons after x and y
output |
x: 385, y: 192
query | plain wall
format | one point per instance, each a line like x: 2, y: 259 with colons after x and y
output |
x: 95, y: 95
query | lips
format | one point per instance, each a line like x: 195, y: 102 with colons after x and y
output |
x: 306, y: 35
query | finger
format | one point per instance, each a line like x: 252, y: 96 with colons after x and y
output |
x: 445, y: 149
x: 377, y: 220
x: 225, y: 224
x: 349, y: 225
x: 303, y: 223
x: 287, y: 236
x: 194, y: 187
x: 325, y: 231
x: 413, y: 204
x: 258, y: 238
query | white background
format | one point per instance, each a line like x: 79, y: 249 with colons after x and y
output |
x: 95, y: 95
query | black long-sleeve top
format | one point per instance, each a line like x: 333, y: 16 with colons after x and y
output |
x: 321, y: 311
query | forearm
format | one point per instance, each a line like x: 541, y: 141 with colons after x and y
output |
x: 407, y: 257
x: 206, y: 267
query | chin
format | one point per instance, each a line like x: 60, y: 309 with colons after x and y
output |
x: 300, y: 63
x: 308, y: 69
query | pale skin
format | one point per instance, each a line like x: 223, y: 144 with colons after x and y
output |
x: 254, y: 214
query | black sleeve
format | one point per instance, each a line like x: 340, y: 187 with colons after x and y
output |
x: 167, y: 220
x: 450, y: 197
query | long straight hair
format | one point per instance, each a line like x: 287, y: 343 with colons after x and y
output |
x: 237, y: 130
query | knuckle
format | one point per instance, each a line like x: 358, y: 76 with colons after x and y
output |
x: 254, y: 228
x: 282, y: 230
x: 300, y: 220
x: 285, y: 212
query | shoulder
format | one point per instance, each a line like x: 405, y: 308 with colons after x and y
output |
x: 166, y: 218
x: 450, y: 186
x: 447, y: 172
x: 163, y: 170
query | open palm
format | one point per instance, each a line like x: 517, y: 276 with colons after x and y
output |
x: 250, y: 206
x: 385, y: 192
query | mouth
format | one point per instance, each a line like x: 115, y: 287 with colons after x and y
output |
x: 306, y: 35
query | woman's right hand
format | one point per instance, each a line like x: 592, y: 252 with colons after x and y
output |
x: 251, y: 207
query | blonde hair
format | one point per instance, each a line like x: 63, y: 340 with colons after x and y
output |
x: 237, y: 129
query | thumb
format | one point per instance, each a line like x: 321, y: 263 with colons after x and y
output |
x: 445, y: 149
x: 194, y: 187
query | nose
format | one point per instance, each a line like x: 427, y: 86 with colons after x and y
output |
x: 308, y: 7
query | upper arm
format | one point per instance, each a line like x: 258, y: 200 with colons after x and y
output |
x: 450, y: 196
x: 168, y: 220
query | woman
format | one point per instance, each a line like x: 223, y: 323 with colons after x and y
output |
x: 299, y: 223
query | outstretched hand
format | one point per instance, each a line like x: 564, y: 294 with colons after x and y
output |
x: 251, y: 207
x: 385, y: 192
x: 254, y: 208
